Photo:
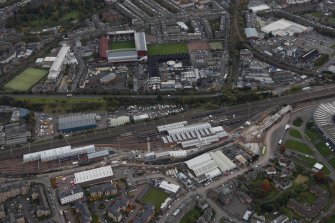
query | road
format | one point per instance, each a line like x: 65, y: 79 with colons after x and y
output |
x: 271, y: 144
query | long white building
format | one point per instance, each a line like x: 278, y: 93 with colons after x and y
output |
x: 93, y: 175
x: 57, y: 153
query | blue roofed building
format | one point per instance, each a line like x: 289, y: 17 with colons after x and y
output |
x: 77, y: 122
x: 251, y: 33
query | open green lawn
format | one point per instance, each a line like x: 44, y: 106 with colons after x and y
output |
x: 300, y: 179
x: 122, y: 45
x: 305, y: 161
x: 191, y: 216
x: 316, y: 14
x: 25, y: 80
x: 323, y: 149
x: 332, y: 162
x: 298, y: 146
x: 295, y: 133
x: 167, y: 48
x: 154, y: 196
x: 307, y: 197
x: 330, y: 219
x: 215, y: 45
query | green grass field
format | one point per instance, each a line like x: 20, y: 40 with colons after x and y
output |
x: 25, y: 80
x: 191, y: 216
x: 167, y: 48
x: 298, y: 146
x: 154, y: 196
x: 122, y: 45
x: 295, y: 133
x: 215, y: 45
x: 300, y: 179
x: 323, y: 149
x: 332, y: 162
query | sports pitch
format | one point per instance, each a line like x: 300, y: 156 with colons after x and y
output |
x: 167, y: 48
x: 25, y: 80
x: 121, y: 45
x: 154, y: 196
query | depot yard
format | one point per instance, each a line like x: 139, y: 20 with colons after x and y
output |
x: 154, y: 196
x: 25, y: 80
x: 167, y: 48
x: 121, y: 45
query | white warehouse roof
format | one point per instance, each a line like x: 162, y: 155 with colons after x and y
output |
x: 284, y: 27
x: 94, y: 174
x: 57, y: 153
x: 259, y: 8
x: 176, y: 125
x: 223, y: 162
x: 169, y: 186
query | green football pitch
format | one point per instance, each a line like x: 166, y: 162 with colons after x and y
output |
x: 25, y: 80
x: 167, y: 48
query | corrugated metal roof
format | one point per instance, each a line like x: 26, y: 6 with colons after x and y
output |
x: 76, y: 121
x: 94, y: 174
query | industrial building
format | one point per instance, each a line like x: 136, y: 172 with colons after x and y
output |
x: 209, y: 165
x: 118, y: 121
x: 283, y: 27
x: 259, y: 8
x: 138, y: 53
x: 77, y: 122
x: 97, y: 175
x: 63, y: 57
x: 251, y: 33
x: 108, y: 78
x: 169, y: 187
x: 324, y: 116
x: 193, y: 135
x: 58, y: 153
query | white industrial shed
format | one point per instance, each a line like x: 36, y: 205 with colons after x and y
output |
x: 93, y: 175
x: 223, y: 162
x: 259, y: 8
x: 194, y: 135
x: 283, y: 27
x: 170, y: 187
x: 203, y: 167
x: 58, y: 153
x: 167, y: 127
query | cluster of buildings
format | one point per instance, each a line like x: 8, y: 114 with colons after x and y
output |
x: 13, y: 129
x: 313, y: 211
x: 16, y: 199
x: 56, y: 64
x: 209, y: 165
x: 193, y: 135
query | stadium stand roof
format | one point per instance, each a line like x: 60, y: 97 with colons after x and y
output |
x: 94, y: 174
x: 324, y: 117
x: 169, y: 186
x: 76, y: 121
x: 122, y: 55
x: 140, y: 41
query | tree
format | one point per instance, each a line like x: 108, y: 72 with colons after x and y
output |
x: 282, y: 149
x: 320, y: 176
x: 266, y: 186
